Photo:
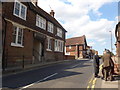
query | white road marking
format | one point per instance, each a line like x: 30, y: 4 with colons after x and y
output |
x: 50, y: 76
x: 38, y: 81
x: 75, y: 65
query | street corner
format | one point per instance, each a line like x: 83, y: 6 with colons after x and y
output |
x: 99, y: 83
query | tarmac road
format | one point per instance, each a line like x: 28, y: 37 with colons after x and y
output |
x: 69, y: 74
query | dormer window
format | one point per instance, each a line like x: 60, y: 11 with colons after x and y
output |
x: 20, y: 10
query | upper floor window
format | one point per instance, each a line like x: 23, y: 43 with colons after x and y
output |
x: 59, y: 32
x: 50, y: 27
x: 20, y: 10
x: 40, y: 22
x: 17, y: 36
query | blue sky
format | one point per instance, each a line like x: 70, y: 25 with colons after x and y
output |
x: 109, y: 11
x: 91, y: 18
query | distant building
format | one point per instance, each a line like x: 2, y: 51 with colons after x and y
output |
x: 30, y: 35
x: 76, y: 46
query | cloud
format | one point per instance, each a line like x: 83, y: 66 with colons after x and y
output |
x: 103, y: 43
x: 75, y: 15
x: 91, y: 43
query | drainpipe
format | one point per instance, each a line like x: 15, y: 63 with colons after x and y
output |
x: 4, y: 43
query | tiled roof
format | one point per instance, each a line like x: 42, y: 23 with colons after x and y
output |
x: 76, y: 40
x: 44, y: 14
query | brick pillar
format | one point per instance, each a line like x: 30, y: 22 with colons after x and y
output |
x: 118, y: 49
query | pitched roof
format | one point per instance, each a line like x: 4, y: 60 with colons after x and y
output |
x: 76, y: 41
x: 44, y: 14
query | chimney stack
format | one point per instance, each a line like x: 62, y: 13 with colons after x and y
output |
x: 52, y: 13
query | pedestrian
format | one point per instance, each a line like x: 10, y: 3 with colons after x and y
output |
x: 107, y: 66
x: 96, y: 64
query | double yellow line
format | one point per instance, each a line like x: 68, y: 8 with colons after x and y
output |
x: 92, y: 82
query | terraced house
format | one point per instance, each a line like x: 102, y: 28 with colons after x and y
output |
x: 30, y: 35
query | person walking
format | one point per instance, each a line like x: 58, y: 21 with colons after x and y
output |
x: 107, y: 66
x: 96, y: 64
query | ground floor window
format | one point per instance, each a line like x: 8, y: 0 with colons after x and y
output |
x: 17, y: 36
x: 49, y: 46
x: 59, y: 45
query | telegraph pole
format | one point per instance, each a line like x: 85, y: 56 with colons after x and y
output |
x: 111, y: 40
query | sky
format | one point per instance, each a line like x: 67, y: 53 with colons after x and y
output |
x: 92, y: 18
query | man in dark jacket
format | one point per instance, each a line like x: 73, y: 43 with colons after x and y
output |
x: 96, y: 63
x: 107, y: 65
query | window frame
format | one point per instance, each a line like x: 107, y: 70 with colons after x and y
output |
x: 50, y: 27
x: 40, y: 22
x: 59, y: 45
x: 17, y: 36
x: 59, y: 32
x: 49, y: 42
x: 20, y: 8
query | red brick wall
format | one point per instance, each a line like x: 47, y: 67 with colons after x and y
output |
x: 80, y: 47
x: 68, y: 57
x: 72, y: 53
x: 73, y: 48
x: 30, y: 19
x: 14, y: 54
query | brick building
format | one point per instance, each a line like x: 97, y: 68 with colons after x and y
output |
x: 30, y: 35
x: 117, y: 57
x: 117, y: 34
x: 77, y: 47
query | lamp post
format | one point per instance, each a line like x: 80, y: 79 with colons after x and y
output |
x: 111, y: 40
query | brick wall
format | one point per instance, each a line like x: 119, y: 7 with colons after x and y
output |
x: 15, y: 54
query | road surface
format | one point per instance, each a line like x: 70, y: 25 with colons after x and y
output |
x: 69, y: 74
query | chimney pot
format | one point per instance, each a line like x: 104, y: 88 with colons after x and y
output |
x: 52, y: 13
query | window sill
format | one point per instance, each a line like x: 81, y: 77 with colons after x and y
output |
x: 59, y: 51
x: 50, y: 31
x: 49, y: 50
x: 16, y: 45
x: 19, y: 17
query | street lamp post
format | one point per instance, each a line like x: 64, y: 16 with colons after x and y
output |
x: 111, y: 40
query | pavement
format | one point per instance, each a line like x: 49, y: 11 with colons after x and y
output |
x: 98, y: 83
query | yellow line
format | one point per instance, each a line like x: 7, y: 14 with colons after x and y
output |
x: 93, y: 86
x: 94, y: 81
x: 91, y: 80
x: 88, y: 87
x: 101, y: 66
